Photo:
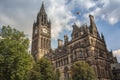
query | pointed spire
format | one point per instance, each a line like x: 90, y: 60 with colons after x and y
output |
x: 102, y: 36
x: 42, y: 16
x: 42, y: 7
x: 75, y: 26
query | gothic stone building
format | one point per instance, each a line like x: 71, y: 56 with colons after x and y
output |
x: 86, y: 45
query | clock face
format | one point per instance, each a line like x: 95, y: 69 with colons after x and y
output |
x: 44, y: 30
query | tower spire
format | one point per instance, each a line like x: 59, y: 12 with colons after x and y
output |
x: 42, y: 16
x: 42, y: 7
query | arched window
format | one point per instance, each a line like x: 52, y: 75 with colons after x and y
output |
x: 41, y: 42
x: 66, y: 74
x: 44, y: 42
x: 71, y: 57
x: 75, y: 54
x: 58, y: 63
x: 47, y: 44
x: 67, y: 60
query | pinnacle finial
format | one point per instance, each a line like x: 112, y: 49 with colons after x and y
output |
x: 42, y: 16
x: 102, y: 35
x: 42, y: 7
x: 74, y: 23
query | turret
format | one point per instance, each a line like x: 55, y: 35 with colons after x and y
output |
x: 93, y: 28
x: 75, y: 27
x: 65, y: 40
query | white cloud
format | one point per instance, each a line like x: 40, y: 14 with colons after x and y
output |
x: 107, y: 10
x: 60, y: 16
x: 112, y: 20
x: 4, y: 19
x: 22, y: 13
x: 116, y: 53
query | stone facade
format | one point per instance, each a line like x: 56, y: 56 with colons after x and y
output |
x: 116, y: 71
x: 86, y: 45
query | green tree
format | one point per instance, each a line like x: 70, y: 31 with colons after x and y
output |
x: 43, y: 70
x: 15, y: 62
x: 35, y: 73
x: 82, y: 71
x: 57, y: 74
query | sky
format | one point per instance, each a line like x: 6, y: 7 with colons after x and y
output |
x: 20, y: 14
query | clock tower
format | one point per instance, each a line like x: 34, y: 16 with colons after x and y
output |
x: 41, y: 37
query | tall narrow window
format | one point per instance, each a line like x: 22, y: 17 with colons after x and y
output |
x: 87, y: 52
x: 66, y: 74
x: 80, y: 54
x: 71, y: 58
x: 41, y: 42
x: 75, y: 54
x: 44, y: 19
x: 67, y: 60
x: 61, y: 62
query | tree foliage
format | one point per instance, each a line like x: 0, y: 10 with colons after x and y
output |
x: 82, y: 71
x: 57, y: 74
x: 35, y: 73
x: 44, y: 70
x: 15, y: 62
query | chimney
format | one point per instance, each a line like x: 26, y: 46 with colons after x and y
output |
x: 60, y: 43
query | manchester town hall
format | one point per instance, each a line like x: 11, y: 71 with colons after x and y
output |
x: 86, y: 44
